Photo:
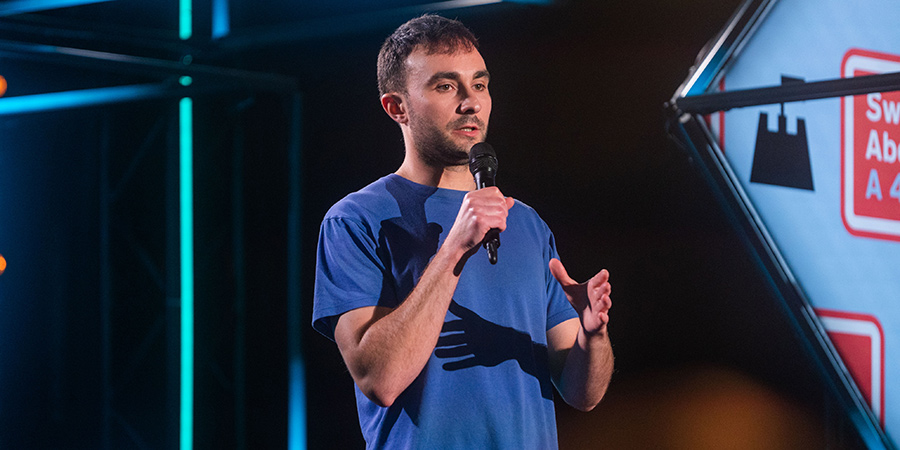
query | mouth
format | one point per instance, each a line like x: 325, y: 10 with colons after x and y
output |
x: 469, y: 130
x: 468, y: 127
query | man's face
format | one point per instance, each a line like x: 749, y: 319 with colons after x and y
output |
x: 448, y: 104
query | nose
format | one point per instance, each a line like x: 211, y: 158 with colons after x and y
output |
x: 469, y: 102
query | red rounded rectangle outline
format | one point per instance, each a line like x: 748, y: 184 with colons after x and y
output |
x: 870, y: 151
x: 859, y: 340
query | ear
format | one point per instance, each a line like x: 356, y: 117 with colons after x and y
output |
x: 395, y: 107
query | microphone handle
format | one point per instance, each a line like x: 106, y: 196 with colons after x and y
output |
x: 491, y: 246
x: 492, y: 239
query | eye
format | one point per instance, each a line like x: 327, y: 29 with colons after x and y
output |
x: 480, y: 86
x: 444, y: 87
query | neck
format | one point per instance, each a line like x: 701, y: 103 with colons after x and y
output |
x: 450, y: 177
x: 415, y: 169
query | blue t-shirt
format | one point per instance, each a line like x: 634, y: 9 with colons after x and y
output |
x: 487, y: 384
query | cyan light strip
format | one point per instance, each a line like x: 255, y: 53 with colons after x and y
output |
x: 186, y: 183
x: 297, y: 406
x: 186, y: 193
x: 185, y: 19
x: 11, y: 7
x: 73, y: 99
x: 221, y: 19
x: 297, y: 375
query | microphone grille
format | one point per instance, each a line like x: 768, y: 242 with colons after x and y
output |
x: 482, y: 157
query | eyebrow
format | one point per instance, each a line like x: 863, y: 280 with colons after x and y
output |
x: 456, y: 77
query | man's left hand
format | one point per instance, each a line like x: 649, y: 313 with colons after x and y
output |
x: 590, y: 299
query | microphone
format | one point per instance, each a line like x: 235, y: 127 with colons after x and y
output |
x: 483, y: 165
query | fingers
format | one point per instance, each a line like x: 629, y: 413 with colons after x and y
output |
x: 599, y: 283
x: 482, y: 210
x: 600, y: 278
x: 559, y: 272
x: 590, y: 299
x: 488, y: 207
x: 600, y: 288
x: 493, y: 193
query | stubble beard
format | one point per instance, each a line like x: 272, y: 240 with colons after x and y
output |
x: 436, y: 149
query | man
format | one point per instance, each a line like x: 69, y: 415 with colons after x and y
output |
x: 447, y: 350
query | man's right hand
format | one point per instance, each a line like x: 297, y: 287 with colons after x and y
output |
x: 481, y: 211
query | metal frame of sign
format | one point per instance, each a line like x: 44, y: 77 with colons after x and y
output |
x: 688, y: 129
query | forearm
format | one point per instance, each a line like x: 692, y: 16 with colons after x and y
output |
x: 385, y: 354
x: 587, y: 370
x: 384, y: 349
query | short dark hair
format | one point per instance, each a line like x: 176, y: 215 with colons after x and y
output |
x: 435, y: 33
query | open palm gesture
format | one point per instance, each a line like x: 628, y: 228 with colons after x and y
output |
x: 590, y: 299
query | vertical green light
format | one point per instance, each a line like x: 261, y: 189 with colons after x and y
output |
x: 186, y: 194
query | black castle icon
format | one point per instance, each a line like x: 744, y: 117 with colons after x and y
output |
x: 780, y: 158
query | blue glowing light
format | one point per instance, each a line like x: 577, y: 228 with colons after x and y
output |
x: 297, y: 406
x: 221, y: 25
x: 72, y: 99
x: 11, y: 7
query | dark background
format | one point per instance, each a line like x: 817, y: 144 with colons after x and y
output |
x: 705, y: 357
x: 578, y: 126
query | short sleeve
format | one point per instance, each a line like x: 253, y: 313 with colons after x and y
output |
x: 559, y: 309
x: 349, y: 274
